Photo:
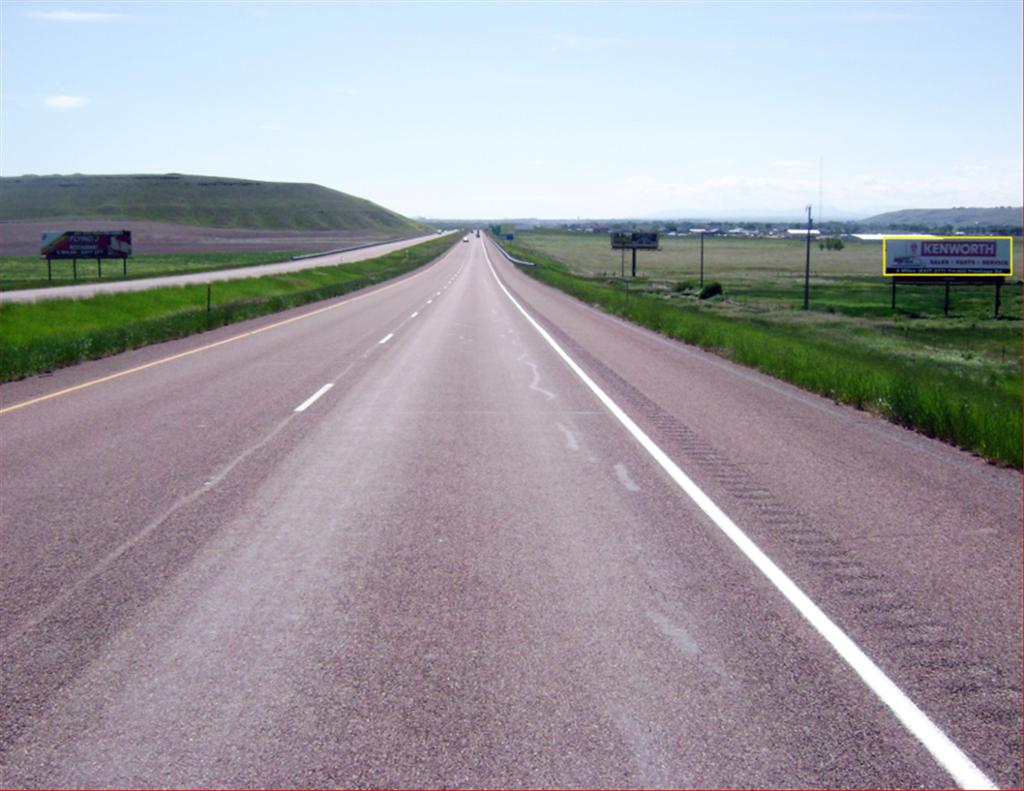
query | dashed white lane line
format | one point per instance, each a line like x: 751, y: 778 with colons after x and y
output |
x: 954, y: 760
x: 309, y: 401
x: 414, y: 315
x: 429, y: 301
x: 386, y: 338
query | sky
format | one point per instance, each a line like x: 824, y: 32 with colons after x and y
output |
x: 548, y: 110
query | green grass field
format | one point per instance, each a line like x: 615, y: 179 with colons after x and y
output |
x: 41, y: 336
x: 30, y: 271
x: 955, y: 377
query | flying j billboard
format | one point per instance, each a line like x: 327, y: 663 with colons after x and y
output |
x: 948, y: 256
x: 87, y: 244
x: 634, y: 240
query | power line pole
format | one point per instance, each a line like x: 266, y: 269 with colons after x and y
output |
x: 807, y: 262
x: 702, y: 259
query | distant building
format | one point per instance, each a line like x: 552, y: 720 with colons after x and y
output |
x: 802, y: 231
x: 877, y: 237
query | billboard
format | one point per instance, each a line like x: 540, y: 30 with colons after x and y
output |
x: 86, y: 244
x: 948, y: 256
x: 634, y: 240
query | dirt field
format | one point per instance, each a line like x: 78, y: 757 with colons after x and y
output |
x: 22, y: 237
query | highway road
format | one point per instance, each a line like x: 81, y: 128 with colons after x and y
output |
x: 330, y: 258
x: 462, y: 530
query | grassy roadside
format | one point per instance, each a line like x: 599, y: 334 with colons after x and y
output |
x: 912, y: 372
x: 41, y: 336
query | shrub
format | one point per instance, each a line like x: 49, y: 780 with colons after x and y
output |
x: 712, y: 289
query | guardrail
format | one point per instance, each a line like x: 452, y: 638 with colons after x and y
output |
x: 504, y: 252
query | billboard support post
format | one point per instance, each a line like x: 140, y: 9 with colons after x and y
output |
x: 74, y: 267
x: 945, y: 304
x: 634, y: 262
x: 999, y: 285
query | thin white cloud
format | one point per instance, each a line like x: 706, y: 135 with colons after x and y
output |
x: 66, y: 102
x: 575, y: 41
x: 327, y: 92
x: 75, y: 16
x: 878, y: 17
x: 762, y: 184
x: 791, y: 164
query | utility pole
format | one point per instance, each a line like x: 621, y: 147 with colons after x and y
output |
x: 702, y: 259
x: 807, y: 262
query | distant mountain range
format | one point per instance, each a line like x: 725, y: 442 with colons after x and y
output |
x: 960, y: 217
x: 211, y: 201
x: 796, y: 215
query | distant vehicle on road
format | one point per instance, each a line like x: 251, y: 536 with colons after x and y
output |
x: 465, y: 238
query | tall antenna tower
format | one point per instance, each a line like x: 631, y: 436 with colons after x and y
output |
x: 821, y: 189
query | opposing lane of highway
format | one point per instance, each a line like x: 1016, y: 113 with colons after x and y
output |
x: 455, y: 567
x: 85, y: 290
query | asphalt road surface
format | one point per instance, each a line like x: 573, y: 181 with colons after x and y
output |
x: 85, y: 290
x: 401, y: 539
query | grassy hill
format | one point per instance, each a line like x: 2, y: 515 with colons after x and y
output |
x: 196, y: 200
x: 963, y: 217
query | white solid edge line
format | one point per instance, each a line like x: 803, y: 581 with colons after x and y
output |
x: 943, y: 750
x: 309, y: 401
x: 387, y: 338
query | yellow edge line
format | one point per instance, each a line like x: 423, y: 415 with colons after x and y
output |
x: 207, y: 347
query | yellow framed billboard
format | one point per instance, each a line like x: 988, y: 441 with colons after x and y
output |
x: 947, y: 256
